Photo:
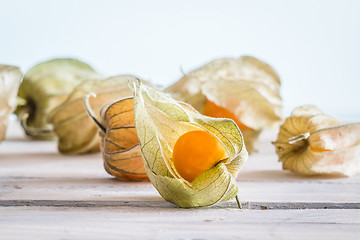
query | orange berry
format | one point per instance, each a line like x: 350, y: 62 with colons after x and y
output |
x: 213, y: 110
x: 196, y: 152
x: 319, y: 149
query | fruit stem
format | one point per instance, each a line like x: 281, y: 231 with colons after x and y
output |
x: 238, y: 202
x: 90, y: 111
x: 298, y: 138
x: 182, y: 70
x: 20, y: 101
x: 24, y: 116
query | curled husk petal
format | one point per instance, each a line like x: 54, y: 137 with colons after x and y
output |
x: 312, y: 143
x: 160, y: 121
x: 247, y: 87
x: 10, y: 77
x: 45, y: 87
x: 76, y: 131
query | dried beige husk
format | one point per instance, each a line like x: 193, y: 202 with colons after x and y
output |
x: 312, y: 143
x: 160, y: 122
x: 45, y: 87
x: 10, y: 78
x: 76, y: 131
x: 244, y: 89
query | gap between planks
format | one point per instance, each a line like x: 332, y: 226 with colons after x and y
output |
x: 163, y: 204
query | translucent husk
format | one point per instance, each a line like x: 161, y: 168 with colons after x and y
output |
x: 10, y: 78
x: 312, y: 143
x: 247, y: 87
x: 159, y: 122
x: 76, y: 131
x: 45, y: 87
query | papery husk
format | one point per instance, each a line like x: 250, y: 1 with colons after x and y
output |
x: 76, y: 131
x: 45, y: 87
x: 312, y: 143
x: 119, y: 144
x: 247, y: 87
x: 10, y: 77
x: 159, y: 122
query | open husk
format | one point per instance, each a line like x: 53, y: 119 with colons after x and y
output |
x: 244, y: 89
x: 45, y: 87
x: 76, y: 131
x: 160, y: 121
x: 10, y: 78
x: 312, y: 143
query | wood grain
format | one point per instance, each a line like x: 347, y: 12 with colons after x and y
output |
x: 174, y: 223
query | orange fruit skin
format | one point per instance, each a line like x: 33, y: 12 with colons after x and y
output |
x: 213, y: 110
x: 196, y: 152
x: 319, y: 149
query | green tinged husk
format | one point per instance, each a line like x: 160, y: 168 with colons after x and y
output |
x: 159, y: 122
x: 45, y: 87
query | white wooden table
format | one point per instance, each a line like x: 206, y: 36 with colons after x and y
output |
x: 46, y: 195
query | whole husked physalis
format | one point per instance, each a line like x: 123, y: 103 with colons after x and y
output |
x: 45, y: 87
x: 313, y: 143
x: 76, y: 132
x: 245, y: 90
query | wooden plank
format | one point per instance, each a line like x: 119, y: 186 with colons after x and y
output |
x: 108, y: 189
x: 175, y: 223
x: 34, y: 170
x: 163, y: 204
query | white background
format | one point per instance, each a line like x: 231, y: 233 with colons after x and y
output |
x: 313, y: 45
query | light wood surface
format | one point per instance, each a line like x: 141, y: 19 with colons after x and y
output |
x: 46, y: 195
